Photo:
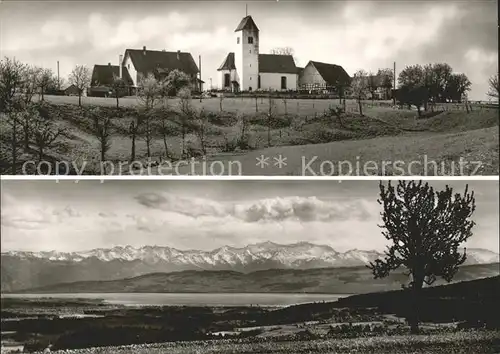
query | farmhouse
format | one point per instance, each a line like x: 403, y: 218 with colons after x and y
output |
x: 140, y: 63
x: 319, y: 76
x: 103, y: 76
x: 245, y: 69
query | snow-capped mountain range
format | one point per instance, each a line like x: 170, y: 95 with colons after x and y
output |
x: 302, y: 255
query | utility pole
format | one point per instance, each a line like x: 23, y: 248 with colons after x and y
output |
x: 199, y: 60
x: 58, y: 79
x: 394, y: 86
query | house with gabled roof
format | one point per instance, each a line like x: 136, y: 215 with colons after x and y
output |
x: 141, y: 62
x: 246, y: 69
x: 103, y: 77
x: 318, y: 76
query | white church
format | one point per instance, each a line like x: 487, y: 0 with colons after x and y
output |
x: 245, y: 69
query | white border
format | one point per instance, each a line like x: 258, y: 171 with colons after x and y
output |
x: 232, y: 178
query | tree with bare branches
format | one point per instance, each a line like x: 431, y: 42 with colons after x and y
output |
x: 45, y: 135
x: 285, y: 51
x: 102, y: 131
x: 118, y: 87
x: 270, y: 117
x: 80, y: 77
x: 45, y: 80
x: 30, y: 82
x: 372, y: 84
x: 494, y: 86
x: 133, y: 132
x: 150, y: 95
x: 12, y: 75
x: 426, y: 229
x: 359, y: 85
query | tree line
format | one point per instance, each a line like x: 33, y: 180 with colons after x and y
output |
x: 30, y: 125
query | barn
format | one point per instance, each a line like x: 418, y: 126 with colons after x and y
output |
x: 318, y: 76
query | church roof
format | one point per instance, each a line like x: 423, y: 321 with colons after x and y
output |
x: 228, y: 63
x: 268, y: 63
x: 149, y: 61
x: 247, y: 23
x: 331, y: 73
x: 275, y: 63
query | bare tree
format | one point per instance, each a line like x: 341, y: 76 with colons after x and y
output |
x: 221, y: 98
x: 185, y: 118
x: 30, y: 82
x: 26, y: 121
x: 243, y: 141
x: 45, y: 135
x: 80, y: 77
x: 118, y: 86
x: 285, y: 101
x: 359, y: 87
x: 494, y: 86
x: 102, y: 131
x: 150, y: 95
x: 372, y: 84
x: 13, y: 119
x: 200, y: 129
x: 45, y: 80
x: 285, y: 51
x: 133, y: 132
x: 270, y: 116
x: 12, y: 74
x: 426, y: 228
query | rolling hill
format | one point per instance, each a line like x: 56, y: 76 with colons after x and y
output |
x: 346, y: 280
x: 25, y: 270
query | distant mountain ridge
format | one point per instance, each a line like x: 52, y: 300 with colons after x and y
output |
x: 291, y: 255
x: 21, y: 270
x: 348, y: 280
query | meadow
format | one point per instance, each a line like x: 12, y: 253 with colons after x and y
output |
x: 301, y: 130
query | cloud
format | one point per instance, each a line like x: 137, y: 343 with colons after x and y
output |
x: 303, y: 209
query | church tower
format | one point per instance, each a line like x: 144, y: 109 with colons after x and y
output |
x: 246, y: 54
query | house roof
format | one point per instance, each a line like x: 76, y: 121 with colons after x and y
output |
x: 275, y: 63
x: 331, y: 73
x: 247, y: 23
x: 102, y: 75
x: 268, y: 63
x: 228, y: 63
x: 149, y: 61
x: 71, y: 87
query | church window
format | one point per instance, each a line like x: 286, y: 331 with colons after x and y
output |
x: 258, y: 82
x: 250, y: 40
x: 238, y: 40
x: 250, y: 51
x: 227, y: 79
x: 283, y: 82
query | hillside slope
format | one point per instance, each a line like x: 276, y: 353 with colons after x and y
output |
x: 349, y: 280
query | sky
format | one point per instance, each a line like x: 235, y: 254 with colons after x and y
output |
x: 204, y: 215
x: 354, y: 34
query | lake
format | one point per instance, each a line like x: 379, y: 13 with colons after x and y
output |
x: 192, y: 299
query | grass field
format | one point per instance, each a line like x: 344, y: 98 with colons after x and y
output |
x: 385, y: 141
x: 473, y: 342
